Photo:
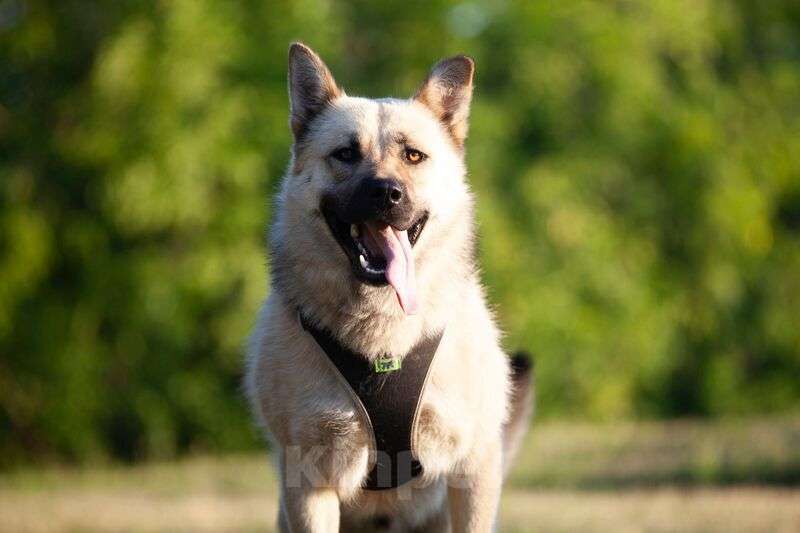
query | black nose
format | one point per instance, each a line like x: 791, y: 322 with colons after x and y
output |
x: 386, y: 193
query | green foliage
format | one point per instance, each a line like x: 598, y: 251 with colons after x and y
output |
x: 637, y: 165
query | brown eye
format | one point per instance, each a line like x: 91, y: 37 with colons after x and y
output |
x: 345, y: 155
x: 414, y: 156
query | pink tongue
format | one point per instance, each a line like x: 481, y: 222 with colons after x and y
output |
x: 396, y: 249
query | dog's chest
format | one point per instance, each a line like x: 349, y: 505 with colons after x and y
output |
x: 440, y: 434
x: 440, y: 439
x: 389, y: 392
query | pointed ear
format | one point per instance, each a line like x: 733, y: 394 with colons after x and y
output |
x: 448, y: 92
x: 311, y: 87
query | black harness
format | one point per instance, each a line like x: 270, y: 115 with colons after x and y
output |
x: 389, y: 393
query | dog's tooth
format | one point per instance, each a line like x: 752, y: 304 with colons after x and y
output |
x: 354, y: 231
x: 362, y: 260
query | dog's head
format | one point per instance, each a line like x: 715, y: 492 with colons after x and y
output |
x: 374, y: 181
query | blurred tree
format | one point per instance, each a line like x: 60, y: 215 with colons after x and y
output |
x: 636, y: 162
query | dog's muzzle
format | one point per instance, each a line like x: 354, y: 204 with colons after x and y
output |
x: 377, y: 229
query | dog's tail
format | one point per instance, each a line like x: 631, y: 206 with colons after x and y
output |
x: 521, y: 406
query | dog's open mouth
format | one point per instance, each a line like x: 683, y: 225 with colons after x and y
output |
x: 380, y: 253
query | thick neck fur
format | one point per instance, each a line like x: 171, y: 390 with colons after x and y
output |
x: 311, y: 273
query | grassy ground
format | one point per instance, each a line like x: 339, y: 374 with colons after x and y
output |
x: 675, y: 476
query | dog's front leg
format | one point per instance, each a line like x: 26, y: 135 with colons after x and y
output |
x: 309, y: 510
x: 474, y: 496
x: 308, y: 504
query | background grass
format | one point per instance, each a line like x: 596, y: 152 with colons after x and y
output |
x: 735, y: 475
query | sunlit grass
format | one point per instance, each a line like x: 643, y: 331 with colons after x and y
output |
x: 683, y: 452
x: 680, y: 475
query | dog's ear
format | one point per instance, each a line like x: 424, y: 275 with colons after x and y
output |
x: 311, y: 87
x: 447, y: 92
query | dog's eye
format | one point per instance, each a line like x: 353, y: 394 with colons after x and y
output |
x: 345, y: 155
x: 414, y: 156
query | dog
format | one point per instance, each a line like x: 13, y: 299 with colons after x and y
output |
x: 372, y: 252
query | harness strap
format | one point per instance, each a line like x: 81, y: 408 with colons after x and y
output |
x: 390, y: 390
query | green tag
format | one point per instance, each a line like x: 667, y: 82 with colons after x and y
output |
x: 386, y: 365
